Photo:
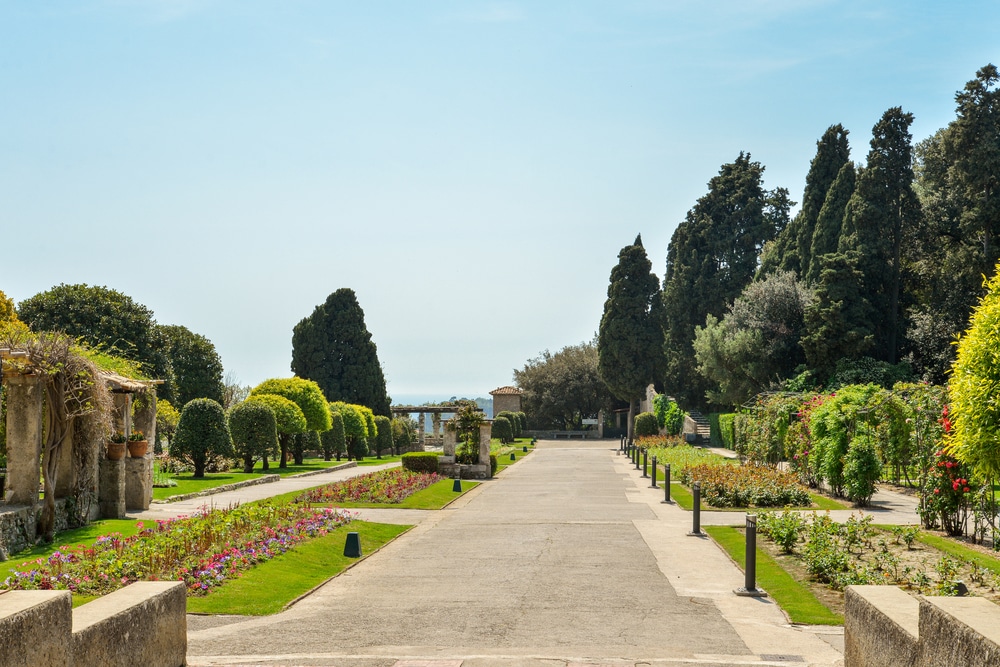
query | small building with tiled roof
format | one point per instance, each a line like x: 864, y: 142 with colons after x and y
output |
x: 506, y: 399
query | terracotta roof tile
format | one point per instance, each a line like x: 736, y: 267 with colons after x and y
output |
x: 506, y: 391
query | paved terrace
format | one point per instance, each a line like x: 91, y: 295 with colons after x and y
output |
x: 567, y: 559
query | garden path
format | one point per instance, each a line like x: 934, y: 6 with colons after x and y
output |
x: 568, y: 558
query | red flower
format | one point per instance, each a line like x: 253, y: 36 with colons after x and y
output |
x: 966, y: 489
x: 937, y: 490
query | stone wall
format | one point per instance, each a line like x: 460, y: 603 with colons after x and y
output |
x: 141, y: 624
x: 885, y: 627
x: 506, y: 403
x: 18, y: 524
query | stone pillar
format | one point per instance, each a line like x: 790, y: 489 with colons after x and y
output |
x: 65, y: 481
x: 436, y: 421
x: 420, y: 429
x: 111, y: 489
x: 138, y: 482
x: 485, y: 433
x: 450, y: 442
x: 600, y: 423
x: 24, y: 438
x: 120, y: 412
x: 145, y: 417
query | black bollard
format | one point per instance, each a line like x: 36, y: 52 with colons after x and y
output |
x: 696, y: 513
x: 457, y: 486
x: 512, y: 458
x: 750, y: 584
x: 645, y: 462
x: 352, y: 548
x: 524, y: 449
x: 666, y: 482
x: 637, y: 458
x: 652, y: 484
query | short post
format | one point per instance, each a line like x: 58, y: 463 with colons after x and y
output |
x: 666, y: 482
x: 696, y: 513
x: 637, y: 458
x: 652, y: 484
x: 750, y: 584
x: 512, y: 457
x: 645, y: 462
x: 457, y: 486
x: 352, y: 548
x: 524, y: 449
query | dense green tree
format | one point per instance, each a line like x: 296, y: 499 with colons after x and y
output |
x: 288, y: 419
x: 881, y: 215
x: 167, y: 417
x: 202, y: 432
x: 254, y: 432
x: 355, y: 428
x: 712, y: 256
x: 756, y: 344
x: 333, y: 347
x: 562, y: 389
x: 383, y: 435
x: 630, y: 339
x: 404, y: 434
x: 105, y: 319
x: 7, y: 311
x: 838, y: 322
x: 304, y: 393
x: 307, y: 441
x: 334, y: 440
x: 830, y: 222
x: 503, y: 430
x: 196, y: 365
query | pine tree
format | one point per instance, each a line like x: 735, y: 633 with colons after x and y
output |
x: 881, y: 214
x: 334, y: 348
x: 630, y: 339
x: 830, y: 221
x: 712, y: 256
x: 839, y: 321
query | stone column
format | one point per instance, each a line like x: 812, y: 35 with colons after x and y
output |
x: 485, y: 433
x: 420, y: 429
x: 138, y: 482
x: 436, y: 421
x: 65, y: 481
x: 24, y: 438
x: 119, y: 414
x: 111, y: 489
x: 450, y: 442
x: 600, y: 423
x: 145, y: 417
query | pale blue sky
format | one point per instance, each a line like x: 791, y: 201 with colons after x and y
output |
x: 470, y: 169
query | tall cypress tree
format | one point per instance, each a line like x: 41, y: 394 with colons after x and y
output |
x: 333, y: 348
x: 830, y: 221
x: 630, y: 339
x: 832, y: 153
x: 882, y: 212
x: 712, y: 256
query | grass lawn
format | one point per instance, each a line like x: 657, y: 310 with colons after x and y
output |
x: 955, y: 548
x: 684, y: 498
x: 268, y: 587
x: 372, y: 461
x: 793, y: 597
x: 186, y: 483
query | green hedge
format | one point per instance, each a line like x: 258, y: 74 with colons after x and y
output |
x: 420, y: 461
x: 727, y: 432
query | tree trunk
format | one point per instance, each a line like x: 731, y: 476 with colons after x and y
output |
x: 265, y: 466
x: 631, y: 417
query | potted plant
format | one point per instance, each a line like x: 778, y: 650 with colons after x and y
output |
x: 137, y: 444
x: 116, y: 446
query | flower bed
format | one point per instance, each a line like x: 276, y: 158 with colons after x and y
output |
x: 204, y: 550
x: 684, y: 456
x: 385, y: 486
x: 746, y: 486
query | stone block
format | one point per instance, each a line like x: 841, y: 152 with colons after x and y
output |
x: 35, y: 629
x: 111, y: 489
x: 882, y: 627
x: 24, y: 438
x: 141, y: 624
x: 960, y: 631
x: 138, y: 483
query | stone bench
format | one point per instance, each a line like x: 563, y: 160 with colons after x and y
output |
x: 141, y: 624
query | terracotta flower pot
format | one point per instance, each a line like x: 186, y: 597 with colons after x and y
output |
x: 137, y: 448
x: 116, y: 451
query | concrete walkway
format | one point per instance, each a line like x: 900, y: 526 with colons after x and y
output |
x: 569, y: 558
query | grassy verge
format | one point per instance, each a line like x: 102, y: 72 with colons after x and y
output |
x: 268, y: 587
x: 186, y: 483
x: 955, y: 548
x: 378, y: 462
x: 434, y: 497
x: 793, y: 597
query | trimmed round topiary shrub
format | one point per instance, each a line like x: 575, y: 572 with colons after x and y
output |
x: 254, y: 432
x: 334, y: 440
x: 202, y: 432
x: 383, y: 437
x: 645, y: 424
x: 420, y: 461
x: 503, y: 430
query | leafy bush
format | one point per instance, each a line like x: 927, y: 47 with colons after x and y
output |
x: 493, y: 464
x: 307, y: 441
x: 784, y: 529
x: 304, y: 393
x: 513, y: 420
x: 403, y: 434
x: 254, y: 432
x: 503, y: 429
x: 391, y: 487
x: 522, y: 419
x: 201, y: 432
x: 746, y: 486
x: 334, y: 440
x: 761, y: 433
x: 869, y: 371
x: 355, y: 428
x: 683, y: 455
x: 645, y: 424
x: 669, y: 415
x: 726, y: 433
x: 420, y: 461
x: 861, y: 471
